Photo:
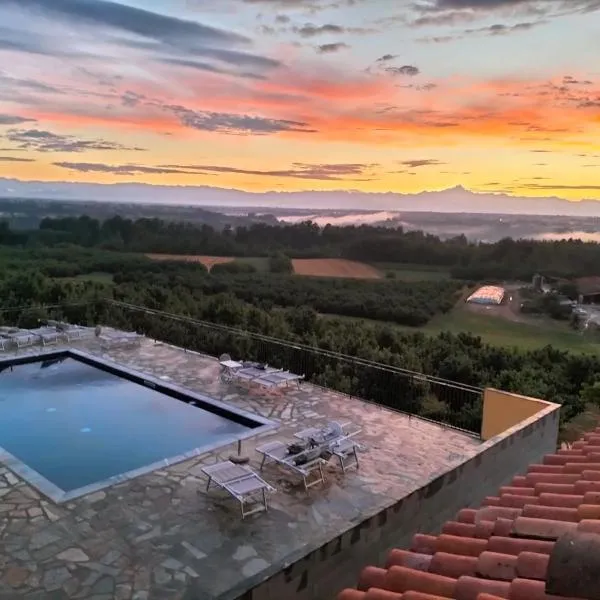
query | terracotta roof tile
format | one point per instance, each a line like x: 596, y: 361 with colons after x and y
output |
x: 562, y: 500
x: 581, y: 487
x: 508, y: 545
x: 589, y: 526
x: 549, y: 468
x: 468, y: 588
x: 484, y: 529
x: 460, y: 529
x: 517, y: 491
x: 517, y: 501
x: 531, y: 565
x: 590, y: 474
x: 555, y: 488
x: 414, y: 560
x: 541, y: 529
x: 420, y: 596
x: 588, y: 511
x: 503, y: 527
x: 424, y: 544
x: 502, y: 549
x: 372, y: 577
x: 491, y: 501
x: 494, y: 565
x: 378, y: 594
x: 591, y: 497
x: 453, y: 565
x: 466, y: 515
x: 556, y: 513
x: 459, y: 545
x: 402, y: 579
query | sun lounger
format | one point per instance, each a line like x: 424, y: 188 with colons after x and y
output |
x: 337, y: 438
x: 278, y: 378
x: 74, y: 332
x: 329, y: 433
x: 308, y: 464
x: 47, y: 335
x: 242, y: 483
x: 23, y: 339
x: 344, y: 450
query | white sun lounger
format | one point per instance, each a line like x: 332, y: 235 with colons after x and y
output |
x: 337, y: 438
x: 23, y: 339
x: 311, y: 471
x: 331, y: 432
x: 48, y: 335
x: 242, y: 483
x: 254, y: 373
x: 75, y: 332
x: 345, y: 451
x: 278, y: 378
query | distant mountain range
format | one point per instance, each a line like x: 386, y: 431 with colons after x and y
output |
x: 453, y: 200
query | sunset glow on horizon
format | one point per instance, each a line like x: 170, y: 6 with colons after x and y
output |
x: 286, y: 95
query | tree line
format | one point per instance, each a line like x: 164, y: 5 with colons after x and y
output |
x: 506, y: 259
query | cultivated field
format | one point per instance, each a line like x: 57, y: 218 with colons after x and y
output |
x: 334, y: 267
x: 207, y: 261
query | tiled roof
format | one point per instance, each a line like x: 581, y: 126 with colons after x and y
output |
x: 504, y: 548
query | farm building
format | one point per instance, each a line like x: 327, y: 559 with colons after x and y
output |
x: 588, y: 289
x: 488, y: 294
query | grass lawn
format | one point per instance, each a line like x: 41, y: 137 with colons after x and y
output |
x: 501, y: 332
x: 497, y: 331
x: 407, y: 272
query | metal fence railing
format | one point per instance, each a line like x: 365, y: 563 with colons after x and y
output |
x: 447, y: 402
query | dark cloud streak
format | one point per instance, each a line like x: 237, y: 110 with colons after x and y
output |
x: 17, y: 159
x: 331, y: 48
x: 14, y: 119
x: 46, y: 141
x: 235, y: 124
x: 322, y: 172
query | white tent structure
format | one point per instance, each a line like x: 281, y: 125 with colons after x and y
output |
x: 488, y: 294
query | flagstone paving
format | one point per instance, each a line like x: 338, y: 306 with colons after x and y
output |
x: 161, y: 535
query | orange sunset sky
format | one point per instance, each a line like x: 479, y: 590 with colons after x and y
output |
x: 372, y: 95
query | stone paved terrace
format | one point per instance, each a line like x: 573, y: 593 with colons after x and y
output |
x: 161, y: 534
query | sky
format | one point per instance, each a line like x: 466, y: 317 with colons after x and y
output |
x: 370, y: 95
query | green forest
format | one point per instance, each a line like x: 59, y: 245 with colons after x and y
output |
x: 506, y: 259
x: 73, y: 261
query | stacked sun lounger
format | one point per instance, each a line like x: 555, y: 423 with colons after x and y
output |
x: 47, y: 335
x: 316, y: 447
x: 71, y: 333
x: 21, y: 338
x: 257, y: 373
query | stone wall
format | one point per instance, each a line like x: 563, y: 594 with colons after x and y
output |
x: 337, y: 564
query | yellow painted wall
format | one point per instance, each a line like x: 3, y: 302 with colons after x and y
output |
x: 503, y: 410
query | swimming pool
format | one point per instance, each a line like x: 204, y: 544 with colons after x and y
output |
x: 71, y: 423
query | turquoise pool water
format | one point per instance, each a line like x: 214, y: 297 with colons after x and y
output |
x: 77, y: 424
